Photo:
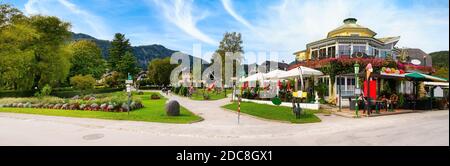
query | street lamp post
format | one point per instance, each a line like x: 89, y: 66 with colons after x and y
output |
x: 356, y: 66
x: 128, y: 82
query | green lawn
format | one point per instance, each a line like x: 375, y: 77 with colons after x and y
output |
x: 153, y: 111
x: 198, y: 95
x: 279, y: 113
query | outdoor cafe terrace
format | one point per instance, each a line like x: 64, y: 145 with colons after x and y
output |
x: 345, y: 63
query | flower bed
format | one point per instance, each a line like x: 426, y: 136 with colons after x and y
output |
x: 113, y: 102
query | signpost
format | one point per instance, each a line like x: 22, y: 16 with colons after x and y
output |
x: 129, y: 82
x: 239, y: 108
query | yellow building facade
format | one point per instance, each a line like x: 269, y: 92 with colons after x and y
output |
x: 349, y: 40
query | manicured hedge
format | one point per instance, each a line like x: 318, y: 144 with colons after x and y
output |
x: 63, y: 92
x: 12, y: 93
x: 150, y: 87
x: 71, y: 93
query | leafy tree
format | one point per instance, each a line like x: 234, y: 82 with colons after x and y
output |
x: 114, y: 79
x: 51, y: 63
x: 440, y: 63
x: 231, y: 42
x: 9, y: 14
x: 83, y: 83
x: 16, y: 56
x: 159, y: 71
x: 441, y: 72
x: 119, y: 47
x: 440, y: 59
x: 86, y: 59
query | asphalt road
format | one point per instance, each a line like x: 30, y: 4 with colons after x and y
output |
x: 220, y: 128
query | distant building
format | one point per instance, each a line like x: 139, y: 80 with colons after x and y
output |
x: 416, y: 56
x: 279, y: 65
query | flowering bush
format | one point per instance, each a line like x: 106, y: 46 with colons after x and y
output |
x: 115, y: 102
x: 412, y: 67
x: 344, y: 65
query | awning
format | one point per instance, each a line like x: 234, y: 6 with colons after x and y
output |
x: 424, y: 77
x: 443, y: 84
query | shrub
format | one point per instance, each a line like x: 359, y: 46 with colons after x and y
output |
x: 321, y: 89
x: 94, y: 103
x: 114, y: 79
x: 154, y: 96
x: 183, y: 91
x: 83, y: 83
x: 401, y: 100
x: 177, y: 89
x: 206, y: 96
x: 45, y: 91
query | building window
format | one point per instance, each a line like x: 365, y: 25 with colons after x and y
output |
x: 322, y: 53
x: 314, y: 54
x: 359, y: 49
x: 371, y: 51
x: 383, y: 54
x: 376, y: 52
x: 331, y: 51
x: 344, y: 50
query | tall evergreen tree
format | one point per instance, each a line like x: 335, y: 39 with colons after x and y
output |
x: 128, y: 64
x: 119, y: 47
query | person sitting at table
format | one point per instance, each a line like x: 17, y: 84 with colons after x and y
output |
x: 384, y: 102
x: 393, y: 101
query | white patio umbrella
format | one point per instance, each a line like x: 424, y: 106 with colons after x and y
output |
x: 274, y: 75
x: 301, y: 72
x: 254, y: 77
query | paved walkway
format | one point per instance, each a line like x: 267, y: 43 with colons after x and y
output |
x: 213, y: 114
x: 220, y: 128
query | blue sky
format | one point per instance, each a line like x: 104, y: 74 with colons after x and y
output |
x: 281, y: 26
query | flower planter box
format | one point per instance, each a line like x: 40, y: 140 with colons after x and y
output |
x: 310, y: 106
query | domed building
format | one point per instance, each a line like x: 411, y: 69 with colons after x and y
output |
x: 349, y: 40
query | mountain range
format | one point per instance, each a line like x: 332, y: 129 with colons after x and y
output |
x: 143, y: 54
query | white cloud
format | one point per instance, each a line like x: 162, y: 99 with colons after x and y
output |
x: 82, y: 20
x: 180, y: 13
x: 229, y: 8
